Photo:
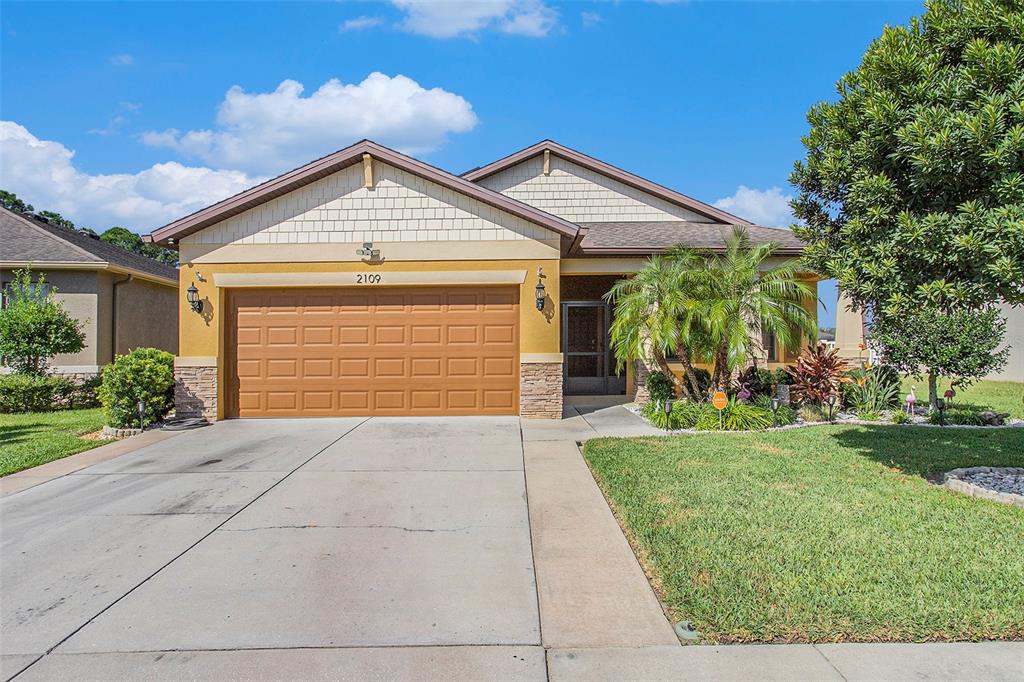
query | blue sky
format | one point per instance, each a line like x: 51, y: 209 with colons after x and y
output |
x: 137, y: 113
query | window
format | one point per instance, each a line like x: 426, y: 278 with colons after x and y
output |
x: 768, y: 343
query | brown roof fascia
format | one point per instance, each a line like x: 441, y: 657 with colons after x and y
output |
x: 611, y: 171
x: 332, y: 163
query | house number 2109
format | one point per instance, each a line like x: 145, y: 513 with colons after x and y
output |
x: 367, y: 279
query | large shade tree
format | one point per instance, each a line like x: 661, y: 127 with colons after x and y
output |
x: 912, y: 190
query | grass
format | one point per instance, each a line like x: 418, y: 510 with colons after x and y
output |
x: 999, y: 396
x: 34, y: 438
x: 823, y: 534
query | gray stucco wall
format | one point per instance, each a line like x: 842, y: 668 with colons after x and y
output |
x: 1014, y: 338
x: 147, y: 316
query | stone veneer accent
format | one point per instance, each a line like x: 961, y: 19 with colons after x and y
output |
x: 195, y: 391
x: 540, y: 390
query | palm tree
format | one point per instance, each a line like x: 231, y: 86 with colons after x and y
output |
x: 740, y: 297
x: 652, y: 313
x: 711, y: 307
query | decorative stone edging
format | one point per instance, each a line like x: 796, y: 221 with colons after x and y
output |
x: 953, y: 481
x: 111, y: 432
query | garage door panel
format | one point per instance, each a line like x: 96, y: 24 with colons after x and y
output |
x: 428, y: 351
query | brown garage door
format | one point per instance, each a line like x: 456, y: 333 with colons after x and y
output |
x: 413, y: 351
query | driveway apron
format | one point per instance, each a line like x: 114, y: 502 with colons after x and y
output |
x: 277, y: 534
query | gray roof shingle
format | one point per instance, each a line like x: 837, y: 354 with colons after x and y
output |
x: 637, y: 236
x: 23, y: 239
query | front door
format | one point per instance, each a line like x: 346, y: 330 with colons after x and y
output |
x: 589, y: 368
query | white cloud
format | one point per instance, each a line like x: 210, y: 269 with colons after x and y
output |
x: 590, y: 19
x: 360, y: 23
x: 272, y: 132
x: 114, y: 125
x: 455, y: 18
x: 123, y: 59
x: 769, y: 207
x: 42, y: 173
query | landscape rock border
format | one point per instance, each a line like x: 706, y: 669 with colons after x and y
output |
x: 953, y: 480
x: 111, y: 432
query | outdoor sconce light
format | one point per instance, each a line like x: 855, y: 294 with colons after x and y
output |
x: 776, y: 404
x: 192, y: 295
x: 539, y: 290
x: 368, y: 251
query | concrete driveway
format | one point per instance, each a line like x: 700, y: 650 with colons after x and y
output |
x: 383, y: 547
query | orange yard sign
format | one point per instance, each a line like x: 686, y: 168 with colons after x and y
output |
x: 719, y: 400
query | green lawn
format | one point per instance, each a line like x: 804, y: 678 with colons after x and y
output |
x: 822, y: 534
x: 1000, y: 396
x: 34, y: 438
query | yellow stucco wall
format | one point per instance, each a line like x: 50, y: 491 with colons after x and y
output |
x: 202, y: 335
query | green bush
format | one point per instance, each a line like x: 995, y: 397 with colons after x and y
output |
x: 736, y: 416
x: 143, y: 374
x: 961, y: 415
x: 900, y: 417
x: 34, y: 326
x: 810, y: 412
x: 703, y: 380
x: 86, y: 394
x: 785, y: 415
x: 660, y: 387
x: 34, y: 393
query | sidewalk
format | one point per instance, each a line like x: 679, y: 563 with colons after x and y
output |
x: 600, y: 618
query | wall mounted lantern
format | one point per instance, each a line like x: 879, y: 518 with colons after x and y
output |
x: 192, y: 295
x: 539, y: 290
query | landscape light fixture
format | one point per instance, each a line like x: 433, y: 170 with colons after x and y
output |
x: 940, y: 405
x: 776, y: 404
x: 192, y: 295
x: 831, y: 402
x: 539, y: 290
x: 140, y: 406
x: 667, y: 406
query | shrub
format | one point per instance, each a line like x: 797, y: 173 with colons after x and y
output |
x: 143, y: 374
x: 816, y: 375
x: 810, y: 412
x: 759, y: 381
x: 703, y: 380
x: 784, y: 417
x: 962, y: 415
x: 660, y: 387
x: 736, y: 416
x: 86, y: 394
x: 34, y: 393
x: 900, y: 417
x: 871, y: 389
x: 685, y: 414
x: 34, y: 326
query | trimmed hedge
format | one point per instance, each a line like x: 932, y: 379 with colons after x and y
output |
x: 35, y: 393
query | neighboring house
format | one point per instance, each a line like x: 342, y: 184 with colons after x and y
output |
x: 850, y: 337
x: 123, y: 300
x: 370, y: 283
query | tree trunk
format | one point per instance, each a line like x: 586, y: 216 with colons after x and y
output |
x: 691, y: 377
x: 662, y: 362
x: 933, y: 391
x: 721, y: 377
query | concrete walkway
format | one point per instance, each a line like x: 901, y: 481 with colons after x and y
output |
x: 447, y: 549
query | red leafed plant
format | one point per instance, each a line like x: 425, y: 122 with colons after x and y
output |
x: 817, y: 374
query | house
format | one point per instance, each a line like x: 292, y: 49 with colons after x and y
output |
x: 123, y: 300
x: 371, y: 283
x: 851, y: 337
